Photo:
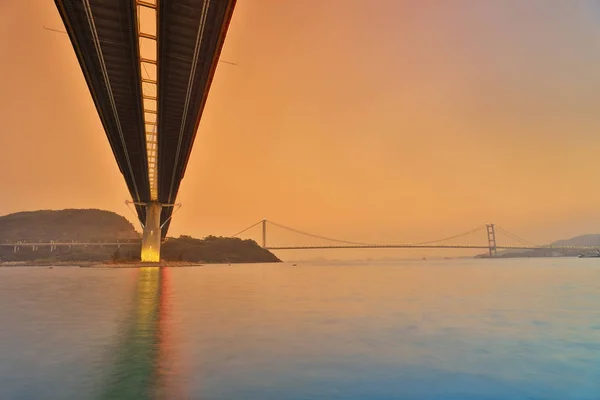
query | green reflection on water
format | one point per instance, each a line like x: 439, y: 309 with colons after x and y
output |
x: 133, y: 373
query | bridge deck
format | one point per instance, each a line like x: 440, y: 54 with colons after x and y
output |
x: 383, y: 246
x: 190, y: 35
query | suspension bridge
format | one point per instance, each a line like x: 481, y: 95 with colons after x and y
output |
x: 488, y: 237
x: 484, y: 237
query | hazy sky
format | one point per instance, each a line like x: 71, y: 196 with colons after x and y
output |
x: 367, y: 120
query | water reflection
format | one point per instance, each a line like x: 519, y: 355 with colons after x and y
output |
x: 454, y: 330
x: 140, y: 366
x: 459, y: 330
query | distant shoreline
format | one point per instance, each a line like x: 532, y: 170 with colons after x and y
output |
x: 107, y: 265
x: 183, y: 264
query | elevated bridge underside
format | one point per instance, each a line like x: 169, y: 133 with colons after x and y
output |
x: 149, y: 65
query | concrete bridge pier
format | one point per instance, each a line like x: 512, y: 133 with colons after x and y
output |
x: 152, y: 233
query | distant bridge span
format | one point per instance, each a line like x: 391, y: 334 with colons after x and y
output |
x: 409, y: 246
x: 375, y: 246
x: 488, y: 230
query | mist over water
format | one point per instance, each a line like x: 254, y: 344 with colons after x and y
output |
x: 452, y: 329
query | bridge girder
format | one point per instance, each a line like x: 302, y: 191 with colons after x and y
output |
x: 190, y: 35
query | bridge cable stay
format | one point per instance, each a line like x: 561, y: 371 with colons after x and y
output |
x: 318, y: 236
x: 128, y: 204
x: 54, y: 30
x: 178, y: 205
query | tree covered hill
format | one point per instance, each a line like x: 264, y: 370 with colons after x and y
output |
x: 214, y: 249
x: 65, y: 226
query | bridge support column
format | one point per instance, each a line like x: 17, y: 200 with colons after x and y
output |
x: 151, y: 235
x: 491, y: 236
x: 264, y: 233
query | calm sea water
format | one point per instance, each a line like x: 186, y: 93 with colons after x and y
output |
x: 468, y: 329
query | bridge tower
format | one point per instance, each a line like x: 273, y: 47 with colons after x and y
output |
x: 264, y: 233
x: 491, y: 237
x: 152, y: 233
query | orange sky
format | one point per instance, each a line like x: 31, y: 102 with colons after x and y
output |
x: 365, y: 120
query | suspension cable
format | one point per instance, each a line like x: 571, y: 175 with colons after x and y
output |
x: 318, y: 236
x: 515, y: 237
x: 244, y: 230
x: 369, y: 244
x: 448, y: 238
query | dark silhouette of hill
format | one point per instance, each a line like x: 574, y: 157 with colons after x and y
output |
x: 65, y: 226
x: 214, y: 249
x: 592, y: 239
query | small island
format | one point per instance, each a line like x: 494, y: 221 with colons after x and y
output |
x: 92, y: 225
